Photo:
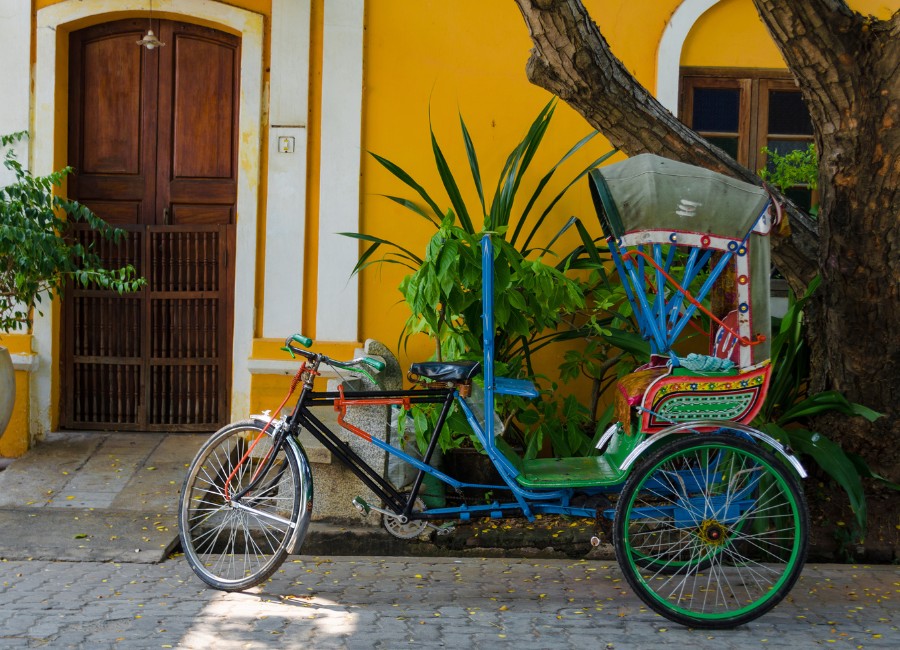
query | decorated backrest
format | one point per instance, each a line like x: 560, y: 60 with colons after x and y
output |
x: 685, y: 239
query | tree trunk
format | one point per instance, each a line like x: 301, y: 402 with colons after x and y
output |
x: 848, y: 68
x: 856, y: 116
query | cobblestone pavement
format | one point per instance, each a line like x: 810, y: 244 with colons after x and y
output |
x: 381, y: 602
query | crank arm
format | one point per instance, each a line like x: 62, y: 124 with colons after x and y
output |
x: 364, y: 509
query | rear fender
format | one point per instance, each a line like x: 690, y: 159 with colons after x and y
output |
x: 713, y: 425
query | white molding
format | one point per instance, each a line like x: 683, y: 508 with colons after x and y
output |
x: 668, y: 60
x: 52, y: 33
x: 24, y: 361
x: 286, y: 200
x: 337, y: 308
x: 15, y: 52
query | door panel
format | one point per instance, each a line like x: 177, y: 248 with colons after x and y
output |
x: 112, y: 107
x: 153, y: 139
x: 187, y: 310
x: 198, y: 96
x: 186, y: 214
x: 112, y: 117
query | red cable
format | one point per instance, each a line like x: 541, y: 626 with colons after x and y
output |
x: 294, y: 382
x: 743, y: 339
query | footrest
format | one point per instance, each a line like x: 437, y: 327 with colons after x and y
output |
x: 593, y: 471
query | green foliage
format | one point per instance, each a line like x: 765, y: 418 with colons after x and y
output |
x: 36, y: 258
x: 535, y: 303
x: 797, y: 167
x: 788, y: 406
x: 444, y: 294
x: 613, y: 347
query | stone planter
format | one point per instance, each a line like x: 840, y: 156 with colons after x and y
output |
x: 7, y: 388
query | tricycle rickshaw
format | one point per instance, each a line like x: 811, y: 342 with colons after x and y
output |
x: 706, y: 513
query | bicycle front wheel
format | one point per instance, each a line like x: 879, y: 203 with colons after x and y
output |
x: 232, y: 544
x: 711, y: 531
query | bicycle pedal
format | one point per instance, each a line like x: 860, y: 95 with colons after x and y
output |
x: 361, y: 506
x: 444, y: 529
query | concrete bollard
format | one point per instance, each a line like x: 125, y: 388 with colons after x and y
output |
x: 335, y: 485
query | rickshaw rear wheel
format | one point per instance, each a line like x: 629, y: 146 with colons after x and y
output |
x: 711, y: 530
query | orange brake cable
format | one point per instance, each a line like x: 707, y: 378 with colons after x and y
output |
x: 629, y: 255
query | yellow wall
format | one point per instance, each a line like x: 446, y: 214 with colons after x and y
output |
x: 715, y: 40
x: 469, y: 56
x: 14, y: 441
x: 465, y: 57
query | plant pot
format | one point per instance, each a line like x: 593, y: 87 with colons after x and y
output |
x: 469, y: 466
x: 7, y: 388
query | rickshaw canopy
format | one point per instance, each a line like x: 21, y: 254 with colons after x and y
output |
x: 650, y: 207
x: 648, y: 192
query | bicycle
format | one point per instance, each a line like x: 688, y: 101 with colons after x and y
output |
x: 709, y: 522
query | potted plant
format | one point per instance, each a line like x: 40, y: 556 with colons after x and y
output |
x: 37, y: 259
x: 537, y: 303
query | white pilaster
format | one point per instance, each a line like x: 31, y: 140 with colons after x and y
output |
x: 668, y: 60
x: 15, y: 52
x: 286, y: 200
x: 337, y: 310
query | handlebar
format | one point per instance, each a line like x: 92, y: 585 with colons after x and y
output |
x: 305, y: 341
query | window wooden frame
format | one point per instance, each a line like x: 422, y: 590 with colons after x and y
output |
x: 755, y: 85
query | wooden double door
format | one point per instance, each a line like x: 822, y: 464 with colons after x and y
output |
x: 153, y: 139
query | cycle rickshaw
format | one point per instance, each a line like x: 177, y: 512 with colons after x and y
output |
x: 706, y: 513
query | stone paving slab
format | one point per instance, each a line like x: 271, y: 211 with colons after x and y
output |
x: 385, y: 603
x: 95, y: 497
x: 83, y: 534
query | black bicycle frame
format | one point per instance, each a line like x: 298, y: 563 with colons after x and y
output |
x: 302, y: 418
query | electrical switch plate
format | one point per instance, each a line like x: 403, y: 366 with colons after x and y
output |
x: 286, y: 144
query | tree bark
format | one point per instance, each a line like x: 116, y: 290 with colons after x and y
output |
x: 848, y: 69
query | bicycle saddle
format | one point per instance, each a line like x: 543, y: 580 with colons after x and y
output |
x: 446, y: 371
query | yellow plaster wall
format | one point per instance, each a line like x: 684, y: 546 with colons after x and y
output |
x: 466, y: 57
x: 715, y: 40
x: 14, y: 441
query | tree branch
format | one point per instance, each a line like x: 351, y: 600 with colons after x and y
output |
x: 572, y: 60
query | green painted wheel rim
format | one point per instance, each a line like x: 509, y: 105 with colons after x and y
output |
x: 634, y: 557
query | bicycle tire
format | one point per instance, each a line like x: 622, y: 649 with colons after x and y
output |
x: 234, y: 546
x: 742, y: 527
